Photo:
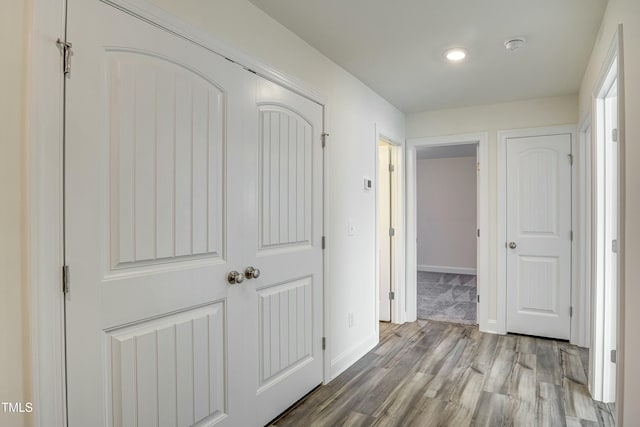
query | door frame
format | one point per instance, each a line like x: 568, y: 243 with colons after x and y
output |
x: 584, y: 186
x: 398, y: 223
x: 501, y: 307
x: 613, y: 58
x: 45, y: 160
x: 482, y: 218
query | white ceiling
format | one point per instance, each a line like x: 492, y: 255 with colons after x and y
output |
x: 446, y: 151
x: 396, y: 47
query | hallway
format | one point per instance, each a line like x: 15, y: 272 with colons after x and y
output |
x: 436, y: 374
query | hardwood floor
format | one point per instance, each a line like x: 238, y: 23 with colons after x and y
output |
x: 429, y: 373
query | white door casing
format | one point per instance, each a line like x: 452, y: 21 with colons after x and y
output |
x: 161, y: 203
x: 538, y: 235
x: 485, y: 322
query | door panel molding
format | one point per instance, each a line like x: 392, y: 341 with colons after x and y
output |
x: 145, y: 361
x: 503, y: 136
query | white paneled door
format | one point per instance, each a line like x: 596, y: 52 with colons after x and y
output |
x: 539, y: 235
x: 181, y: 167
x: 284, y: 239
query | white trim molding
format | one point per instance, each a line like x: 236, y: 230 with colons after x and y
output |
x: 581, y: 322
x: 447, y: 270
x: 612, y: 68
x: 344, y: 360
x: 46, y: 254
x: 482, y: 139
x: 503, y: 135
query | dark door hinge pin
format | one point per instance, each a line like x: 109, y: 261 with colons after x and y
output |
x: 324, y: 139
x: 66, y: 55
x: 65, y: 279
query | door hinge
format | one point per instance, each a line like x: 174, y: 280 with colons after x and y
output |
x: 478, y: 232
x: 324, y: 343
x: 571, y: 235
x: 571, y: 311
x: 478, y: 298
x: 324, y: 242
x: 571, y: 159
x: 65, y: 50
x: 614, y: 246
x: 65, y: 279
x: 614, y: 356
x: 324, y: 139
x: 392, y: 296
x: 392, y: 168
x: 478, y: 166
x: 614, y: 135
x: 392, y: 232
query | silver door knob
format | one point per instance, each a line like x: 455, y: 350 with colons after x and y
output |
x: 512, y: 245
x: 251, y: 273
x: 235, y: 278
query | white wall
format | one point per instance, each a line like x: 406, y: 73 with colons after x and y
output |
x: 626, y: 12
x: 491, y: 118
x: 14, y: 328
x: 351, y: 154
x: 446, y: 213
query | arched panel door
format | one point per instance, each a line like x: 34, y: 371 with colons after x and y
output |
x: 539, y: 235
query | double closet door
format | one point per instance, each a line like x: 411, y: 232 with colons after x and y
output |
x: 180, y: 169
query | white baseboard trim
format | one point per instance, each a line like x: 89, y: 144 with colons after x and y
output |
x: 492, y: 328
x: 451, y: 270
x: 347, y: 358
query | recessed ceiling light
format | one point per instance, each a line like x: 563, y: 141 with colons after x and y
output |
x: 456, y: 54
x: 514, y: 44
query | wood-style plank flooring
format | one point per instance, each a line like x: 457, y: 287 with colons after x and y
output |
x: 430, y: 373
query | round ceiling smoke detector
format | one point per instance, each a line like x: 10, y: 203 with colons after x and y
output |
x: 514, y: 44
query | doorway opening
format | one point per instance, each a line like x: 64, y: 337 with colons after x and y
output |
x: 446, y: 189
x: 447, y: 271
x: 605, y: 236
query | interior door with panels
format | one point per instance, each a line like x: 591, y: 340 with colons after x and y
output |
x: 539, y: 235
x: 284, y: 228
x: 153, y: 132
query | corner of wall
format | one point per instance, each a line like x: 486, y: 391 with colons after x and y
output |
x: 344, y: 360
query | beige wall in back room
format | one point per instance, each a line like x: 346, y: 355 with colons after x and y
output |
x: 492, y: 118
x: 14, y: 345
x: 446, y: 212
